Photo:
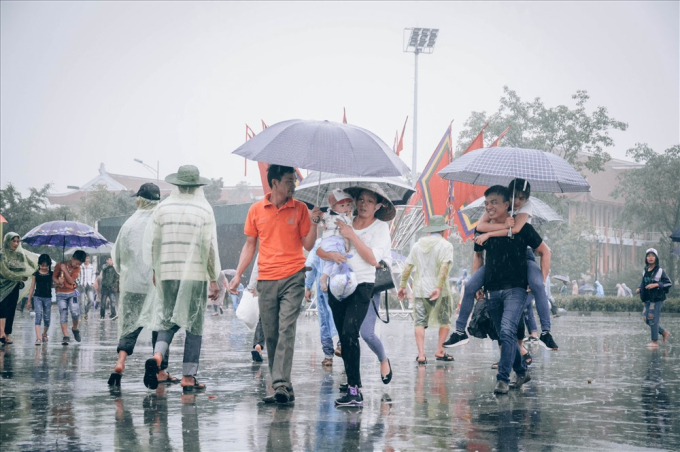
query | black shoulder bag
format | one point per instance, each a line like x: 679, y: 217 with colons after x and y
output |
x: 383, y: 283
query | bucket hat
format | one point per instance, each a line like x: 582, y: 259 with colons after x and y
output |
x: 187, y: 176
x: 387, y: 212
x: 437, y: 224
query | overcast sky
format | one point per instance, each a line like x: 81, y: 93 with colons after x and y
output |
x: 85, y: 83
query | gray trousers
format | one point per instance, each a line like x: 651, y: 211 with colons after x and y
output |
x: 280, y: 303
x: 192, y: 349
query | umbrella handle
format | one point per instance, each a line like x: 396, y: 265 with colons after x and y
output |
x: 318, y: 190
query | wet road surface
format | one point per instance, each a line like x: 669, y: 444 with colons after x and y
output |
x: 603, y: 390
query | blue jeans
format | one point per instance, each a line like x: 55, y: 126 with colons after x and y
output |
x: 473, y: 284
x: 652, y: 313
x: 43, y: 310
x: 505, y: 308
x: 68, y: 302
x: 326, y: 325
x: 529, y: 314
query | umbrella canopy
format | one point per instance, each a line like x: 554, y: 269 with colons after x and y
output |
x: 561, y: 278
x: 63, y: 234
x: 541, y: 213
x: 324, y: 146
x: 99, y: 251
x: 316, y: 187
x: 499, y: 165
x: 675, y: 236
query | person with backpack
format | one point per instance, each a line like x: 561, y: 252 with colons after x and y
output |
x: 653, y: 289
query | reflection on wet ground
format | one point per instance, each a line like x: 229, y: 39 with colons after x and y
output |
x: 602, y: 391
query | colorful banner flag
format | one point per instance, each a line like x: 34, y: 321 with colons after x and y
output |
x: 463, y: 194
x: 344, y: 116
x: 497, y: 142
x: 400, y: 144
x: 432, y: 188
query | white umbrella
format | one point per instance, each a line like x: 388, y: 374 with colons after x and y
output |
x: 101, y: 250
x: 541, y: 212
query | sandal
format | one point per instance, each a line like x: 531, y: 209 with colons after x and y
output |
x: 446, y: 357
x: 257, y: 357
x: 45, y: 338
x: 494, y: 366
x: 151, y: 373
x: 170, y: 380
x: 194, y: 388
x: 114, y: 379
x: 528, y: 359
x: 421, y: 363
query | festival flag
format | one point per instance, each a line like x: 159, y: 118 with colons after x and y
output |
x: 400, y: 144
x: 344, y: 116
x: 463, y: 194
x: 432, y: 188
x: 497, y: 142
x: 249, y: 135
x: 396, y: 140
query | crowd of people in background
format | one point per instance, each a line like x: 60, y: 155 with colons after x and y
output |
x: 164, y: 274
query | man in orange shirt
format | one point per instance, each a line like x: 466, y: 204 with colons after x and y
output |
x: 282, y: 224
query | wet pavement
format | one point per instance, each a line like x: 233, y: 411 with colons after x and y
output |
x: 602, y: 391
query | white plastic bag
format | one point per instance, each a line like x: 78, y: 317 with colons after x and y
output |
x: 248, y: 310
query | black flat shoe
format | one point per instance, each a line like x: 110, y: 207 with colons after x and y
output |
x: 387, y: 378
x: 114, y: 379
x: 151, y: 373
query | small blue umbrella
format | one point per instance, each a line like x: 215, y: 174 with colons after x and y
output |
x: 325, y: 146
x: 63, y: 234
x: 500, y: 165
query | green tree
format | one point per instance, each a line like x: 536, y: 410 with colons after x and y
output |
x: 25, y: 213
x: 213, y: 191
x: 571, y: 246
x: 563, y: 131
x: 652, y: 197
x: 102, y: 203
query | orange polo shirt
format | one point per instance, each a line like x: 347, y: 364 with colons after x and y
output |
x: 280, y: 233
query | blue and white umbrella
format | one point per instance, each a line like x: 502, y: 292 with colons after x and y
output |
x: 541, y: 212
x: 324, y: 146
x: 500, y: 165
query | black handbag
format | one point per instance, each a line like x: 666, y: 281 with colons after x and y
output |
x: 383, y: 278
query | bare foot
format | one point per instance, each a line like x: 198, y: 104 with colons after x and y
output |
x: 258, y: 348
x: 653, y: 344
x: 120, y: 367
x: 665, y: 336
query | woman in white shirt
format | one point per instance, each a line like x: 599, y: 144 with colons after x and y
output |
x: 369, y: 237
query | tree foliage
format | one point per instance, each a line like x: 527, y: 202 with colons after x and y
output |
x: 563, y: 131
x: 102, y: 203
x: 213, y: 191
x: 572, y: 252
x: 652, y: 197
x: 25, y: 213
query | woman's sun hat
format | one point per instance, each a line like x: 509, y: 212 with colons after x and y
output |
x: 387, y: 212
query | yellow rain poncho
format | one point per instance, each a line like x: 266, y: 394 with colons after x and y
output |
x: 430, y: 260
x: 136, y: 277
x: 15, y: 266
x: 181, y: 245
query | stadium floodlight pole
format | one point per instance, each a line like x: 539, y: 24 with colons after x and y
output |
x: 420, y: 40
x: 157, y: 170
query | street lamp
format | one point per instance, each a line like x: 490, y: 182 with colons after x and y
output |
x: 421, y: 40
x: 157, y: 170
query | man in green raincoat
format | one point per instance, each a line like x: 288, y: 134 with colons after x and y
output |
x: 431, y: 258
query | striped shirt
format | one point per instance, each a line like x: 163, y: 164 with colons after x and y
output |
x: 184, y: 239
x: 87, y: 275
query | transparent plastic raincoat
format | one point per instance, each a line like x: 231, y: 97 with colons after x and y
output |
x: 427, y: 257
x: 15, y: 265
x: 181, y: 246
x: 136, y: 276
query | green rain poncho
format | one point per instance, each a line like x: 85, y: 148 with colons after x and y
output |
x: 181, y: 245
x: 427, y: 257
x: 15, y: 266
x: 136, y: 277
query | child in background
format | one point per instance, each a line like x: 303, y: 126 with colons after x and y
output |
x: 340, y: 203
x: 41, y: 292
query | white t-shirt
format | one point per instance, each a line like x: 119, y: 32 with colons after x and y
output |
x: 376, y: 237
x: 527, y: 208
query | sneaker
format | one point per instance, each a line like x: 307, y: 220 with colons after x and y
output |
x: 338, y: 351
x: 114, y: 317
x: 353, y: 397
x: 38, y: 342
x: 65, y: 340
x: 215, y: 313
x: 518, y: 381
x: 456, y: 339
x: 327, y: 362
x: 501, y: 387
x: 547, y: 341
x: 76, y: 334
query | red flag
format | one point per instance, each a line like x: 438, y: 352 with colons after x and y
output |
x: 264, y: 126
x: 464, y: 194
x: 344, y: 116
x: 400, y: 145
x: 500, y: 137
x: 432, y: 188
x: 396, y: 140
